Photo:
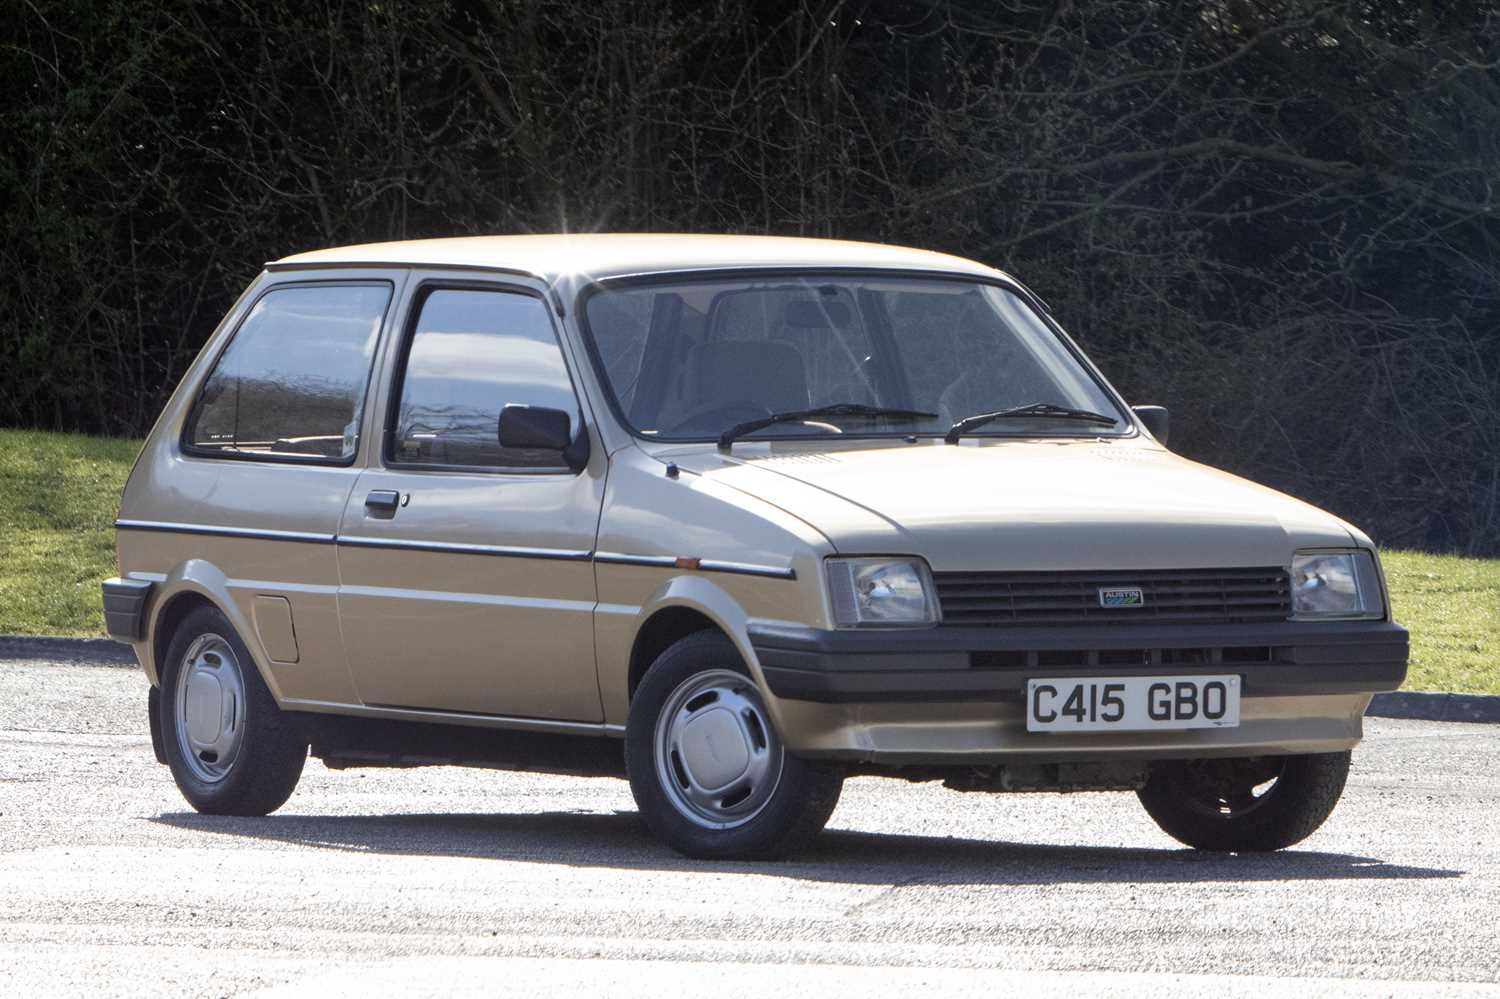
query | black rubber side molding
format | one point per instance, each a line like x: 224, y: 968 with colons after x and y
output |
x: 125, y: 608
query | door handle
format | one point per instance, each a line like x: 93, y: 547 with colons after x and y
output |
x: 383, y: 502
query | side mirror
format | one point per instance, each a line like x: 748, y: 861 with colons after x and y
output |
x: 540, y: 428
x: 1156, y: 420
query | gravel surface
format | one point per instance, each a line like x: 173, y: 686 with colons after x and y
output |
x: 469, y: 882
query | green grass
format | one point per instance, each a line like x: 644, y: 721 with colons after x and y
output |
x: 58, y: 495
x: 1452, y: 607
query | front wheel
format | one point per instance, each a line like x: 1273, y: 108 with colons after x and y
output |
x: 708, y: 769
x: 231, y: 750
x: 1245, y: 805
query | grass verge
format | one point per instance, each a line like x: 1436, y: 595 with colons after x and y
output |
x: 58, y: 495
x: 1452, y: 607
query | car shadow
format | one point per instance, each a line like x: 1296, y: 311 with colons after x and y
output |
x: 620, y: 840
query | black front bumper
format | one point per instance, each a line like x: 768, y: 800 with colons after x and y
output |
x: 993, y: 664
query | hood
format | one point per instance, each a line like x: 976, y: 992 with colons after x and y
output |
x: 1074, y: 504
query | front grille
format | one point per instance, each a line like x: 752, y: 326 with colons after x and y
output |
x: 1170, y: 596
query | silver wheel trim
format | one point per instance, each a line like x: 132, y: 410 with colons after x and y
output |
x: 718, y: 760
x: 209, y: 708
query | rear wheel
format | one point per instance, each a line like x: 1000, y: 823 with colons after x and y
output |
x: 1245, y: 805
x: 230, y: 748
x: 708, y: 769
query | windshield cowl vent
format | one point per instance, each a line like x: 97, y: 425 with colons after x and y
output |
x: 816, y: 458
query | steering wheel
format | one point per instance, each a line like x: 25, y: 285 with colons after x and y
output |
x: 719, y: 416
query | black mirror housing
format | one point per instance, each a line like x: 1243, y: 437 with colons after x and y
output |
x: 541, y: 428
x: 1157, y: 421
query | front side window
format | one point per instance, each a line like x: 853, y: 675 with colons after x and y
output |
x: 291, y: 384
x: 472, y: 352
x: 688, y: 360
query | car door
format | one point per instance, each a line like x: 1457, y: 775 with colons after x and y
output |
x: 251, y: 486
x: 466, y: 577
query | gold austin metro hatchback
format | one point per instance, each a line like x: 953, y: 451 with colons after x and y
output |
x: 733, y: 517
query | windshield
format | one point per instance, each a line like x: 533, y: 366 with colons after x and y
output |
x: 690, y: 360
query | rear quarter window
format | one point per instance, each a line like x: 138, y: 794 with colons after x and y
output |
x: 291, y: 384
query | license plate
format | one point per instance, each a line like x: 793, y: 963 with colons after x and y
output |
x: 1131, y: 703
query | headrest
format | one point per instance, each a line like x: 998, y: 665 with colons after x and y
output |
x: 764, y: 371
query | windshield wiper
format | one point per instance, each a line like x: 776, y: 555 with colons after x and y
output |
x: 1045, y: 410
x: 837, y: 409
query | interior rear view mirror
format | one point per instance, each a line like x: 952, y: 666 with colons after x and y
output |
x: 810, y: 314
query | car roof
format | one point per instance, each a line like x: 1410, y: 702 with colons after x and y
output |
x: 616, y: 254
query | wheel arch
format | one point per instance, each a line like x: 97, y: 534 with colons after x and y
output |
x: 664, y: 628
x: 173, y: 612
x: 683, y: 606
x: 193, y: 584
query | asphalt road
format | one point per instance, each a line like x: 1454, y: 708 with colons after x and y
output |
x: 470, y: 882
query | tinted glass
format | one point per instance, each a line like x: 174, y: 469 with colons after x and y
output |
x: 688, y: 360
x: 473, y: 353
x: 291, y: 384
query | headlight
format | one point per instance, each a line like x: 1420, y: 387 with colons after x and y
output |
x: 1336, y: 584
x: 881, y: 592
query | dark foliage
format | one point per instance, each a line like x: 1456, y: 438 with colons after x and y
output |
x: 1276, y: 217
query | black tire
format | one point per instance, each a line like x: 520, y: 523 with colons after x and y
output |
x: 800, y: 799
x: 269, y: 751
x: 1211, y: 805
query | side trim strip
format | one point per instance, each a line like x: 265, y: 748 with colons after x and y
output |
x: 619, y: 558
x: 704, y: 565
x: 224, y: 532
x: 453, y: 548
x: 747, y: 569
